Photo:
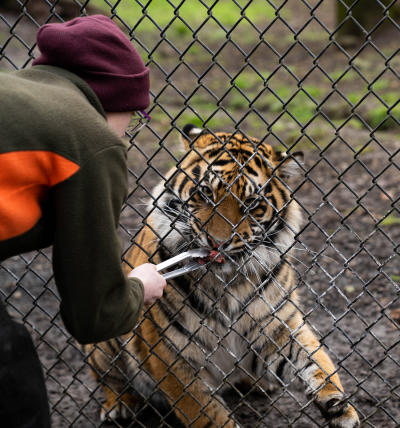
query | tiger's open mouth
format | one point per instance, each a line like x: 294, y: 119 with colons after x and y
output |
x: 213, y: 257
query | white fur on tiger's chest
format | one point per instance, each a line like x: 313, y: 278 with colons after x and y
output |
x: 227, y: 362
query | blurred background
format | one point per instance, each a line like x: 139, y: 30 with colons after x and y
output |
x: 321, y: 76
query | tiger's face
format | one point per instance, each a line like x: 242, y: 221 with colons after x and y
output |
x: 229, y: 194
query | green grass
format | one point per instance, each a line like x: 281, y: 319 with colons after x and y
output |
x: 361, y: 149
x: 374, y: 112
x: 301, y: 107
x: 247, y: 80
x: 218, y: 121
x: 273, y: 99
x: 191, y: 13
x: 347, y: 77
x: 308, y: 36
x: 356, y: 124
x: 355, y: 97
x: 390, y: 220
x: 202, y: 113
x: 381, y: 84
x: 379, y: 115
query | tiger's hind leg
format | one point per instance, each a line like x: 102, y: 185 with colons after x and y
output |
x: 315, y: 368
x: 189, y: 397
x: 117, y: 405
x: 108, y: 366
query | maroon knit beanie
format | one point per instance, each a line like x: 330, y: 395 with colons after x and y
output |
x: 95, y: 49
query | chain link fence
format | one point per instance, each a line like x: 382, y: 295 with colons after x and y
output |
x: 317, y: 76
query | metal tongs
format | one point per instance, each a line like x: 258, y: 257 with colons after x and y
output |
x: 189, y: 267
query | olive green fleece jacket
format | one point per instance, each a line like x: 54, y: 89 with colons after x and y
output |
x: 63, y: 180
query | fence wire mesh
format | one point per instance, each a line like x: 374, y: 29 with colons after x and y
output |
x: 321, y: 77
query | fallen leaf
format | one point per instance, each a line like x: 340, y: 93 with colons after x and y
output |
x: 349, y: 289
x: 395, y: 315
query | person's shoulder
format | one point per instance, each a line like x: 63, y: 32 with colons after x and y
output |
x: 55, y: 112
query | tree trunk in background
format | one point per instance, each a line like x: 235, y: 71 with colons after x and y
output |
x: 366, y: 12
x: 10, y: 6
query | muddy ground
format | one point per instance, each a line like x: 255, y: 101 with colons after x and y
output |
x: 347, y: 255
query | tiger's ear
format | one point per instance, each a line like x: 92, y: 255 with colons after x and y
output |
x: 190, y: 132
x: 289, y: 164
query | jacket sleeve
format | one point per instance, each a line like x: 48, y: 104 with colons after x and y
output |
x: 97, y: 300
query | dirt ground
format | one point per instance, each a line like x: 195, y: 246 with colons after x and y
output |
x: 347, y: 255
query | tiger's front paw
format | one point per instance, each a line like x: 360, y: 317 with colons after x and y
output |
x: 339, y: 413
x: 348, y: 419
x: 116, y: 412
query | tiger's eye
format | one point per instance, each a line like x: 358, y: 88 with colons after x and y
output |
x: 251, y: 202
x: 207, y: 191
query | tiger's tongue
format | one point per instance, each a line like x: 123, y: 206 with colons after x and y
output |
x: 214, y: 256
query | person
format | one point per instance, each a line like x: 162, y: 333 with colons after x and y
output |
x: 63, y: 180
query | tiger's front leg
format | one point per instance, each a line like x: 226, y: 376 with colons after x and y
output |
x: 317, y: 371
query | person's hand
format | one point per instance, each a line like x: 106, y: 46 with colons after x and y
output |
x: 153, y: 282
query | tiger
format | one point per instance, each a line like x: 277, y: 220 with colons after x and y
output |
x: 236, y: 319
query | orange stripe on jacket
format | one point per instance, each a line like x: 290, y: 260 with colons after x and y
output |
x: 25, y: 177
